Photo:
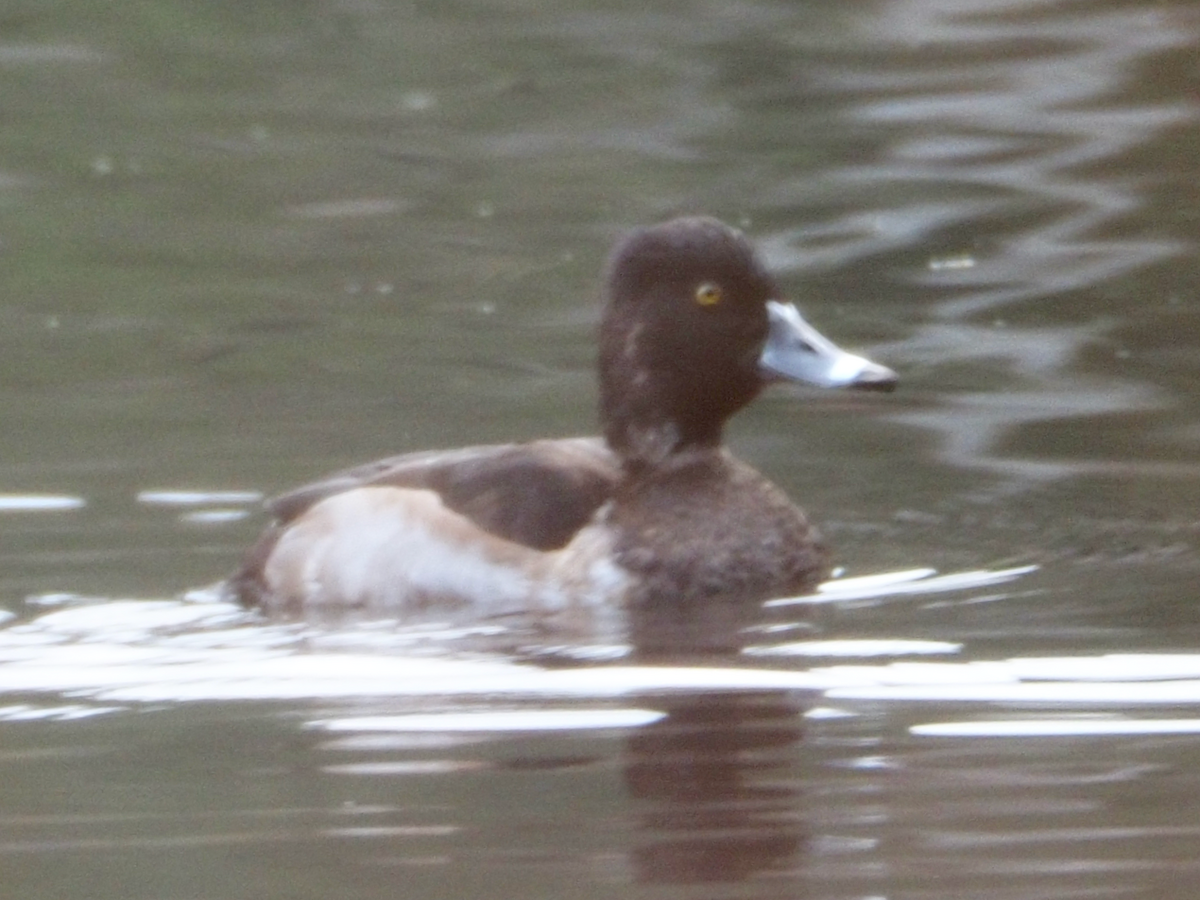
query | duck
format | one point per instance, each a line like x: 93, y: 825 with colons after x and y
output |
x: 636, y: 530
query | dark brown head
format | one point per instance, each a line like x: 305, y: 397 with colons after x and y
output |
x: 693, y: 329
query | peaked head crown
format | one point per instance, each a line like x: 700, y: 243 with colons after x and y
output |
x: 684, y: 325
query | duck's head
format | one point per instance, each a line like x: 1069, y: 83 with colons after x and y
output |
x: 693, y: 328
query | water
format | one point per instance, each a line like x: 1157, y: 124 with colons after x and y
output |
x: 244, y: 245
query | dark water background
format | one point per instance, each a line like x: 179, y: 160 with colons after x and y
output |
x: 243, y: 244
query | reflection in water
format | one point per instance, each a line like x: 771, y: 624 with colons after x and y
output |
x: 1027, y: 198
x: 1024, y: 122
x: 715, y: 799
x: 415, y: 762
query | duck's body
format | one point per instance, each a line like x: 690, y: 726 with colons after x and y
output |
x: 481, y: 531
x: 641, y: 529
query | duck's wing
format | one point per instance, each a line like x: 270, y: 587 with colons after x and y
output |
x: 537, y: 494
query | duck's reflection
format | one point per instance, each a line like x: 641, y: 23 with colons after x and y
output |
x: 716, y: 802
x: 714, y: 781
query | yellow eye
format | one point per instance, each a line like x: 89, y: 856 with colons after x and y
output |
x: 708, y: 294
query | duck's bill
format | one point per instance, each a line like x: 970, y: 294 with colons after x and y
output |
x: 798, y: 352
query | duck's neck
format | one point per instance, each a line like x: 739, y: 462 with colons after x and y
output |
x: 649, y: 446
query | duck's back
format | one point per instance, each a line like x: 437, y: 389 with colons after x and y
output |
x: 535, y: 495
